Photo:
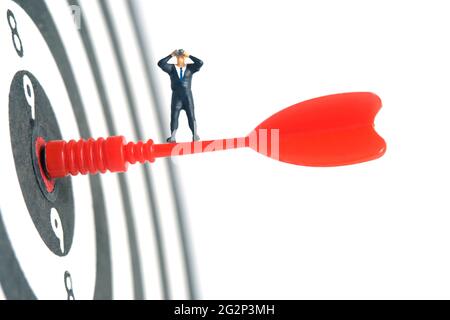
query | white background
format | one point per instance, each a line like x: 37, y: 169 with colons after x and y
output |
x: 263, y: 229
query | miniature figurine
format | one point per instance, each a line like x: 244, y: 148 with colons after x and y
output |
x: 181, y: 79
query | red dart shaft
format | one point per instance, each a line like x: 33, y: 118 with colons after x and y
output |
x: 113, y: 154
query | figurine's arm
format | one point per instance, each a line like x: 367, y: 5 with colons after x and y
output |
x: 163, y: 63
x: 197, y: 64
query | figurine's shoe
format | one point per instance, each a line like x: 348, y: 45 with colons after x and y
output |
x: 195, y: 138
x: 171, y: 139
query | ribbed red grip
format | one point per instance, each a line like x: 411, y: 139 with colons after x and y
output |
x: 93, y: 156
x: 139, y: 152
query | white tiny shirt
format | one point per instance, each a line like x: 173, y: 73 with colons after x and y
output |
x: 178, y: 69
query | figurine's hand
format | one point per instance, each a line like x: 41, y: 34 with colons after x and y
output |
x: 174, y: 53
x: 186, y: 54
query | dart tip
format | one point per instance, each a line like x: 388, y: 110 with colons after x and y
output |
x: 39, y: 148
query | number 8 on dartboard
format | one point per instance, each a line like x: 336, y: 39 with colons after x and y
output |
x: 15, y: 33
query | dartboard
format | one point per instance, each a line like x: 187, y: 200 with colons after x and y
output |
x: 74, y: 69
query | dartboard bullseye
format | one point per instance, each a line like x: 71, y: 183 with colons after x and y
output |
x: 31, y: 119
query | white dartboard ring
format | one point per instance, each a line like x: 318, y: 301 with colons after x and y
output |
x: 14, y: 282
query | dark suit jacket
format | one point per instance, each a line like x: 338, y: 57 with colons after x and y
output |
x: 176, y: 83
x: 181, y: 89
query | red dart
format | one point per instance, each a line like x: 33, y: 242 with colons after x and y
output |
x: 333, y: 130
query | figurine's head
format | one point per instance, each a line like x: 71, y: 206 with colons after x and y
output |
x: 181, y: 57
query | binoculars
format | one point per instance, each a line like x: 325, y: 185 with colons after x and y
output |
x: 179, y: 52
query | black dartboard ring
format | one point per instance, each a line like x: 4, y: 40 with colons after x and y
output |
x: 12, y: 278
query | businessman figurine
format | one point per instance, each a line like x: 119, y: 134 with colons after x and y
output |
x: 181, y: 79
